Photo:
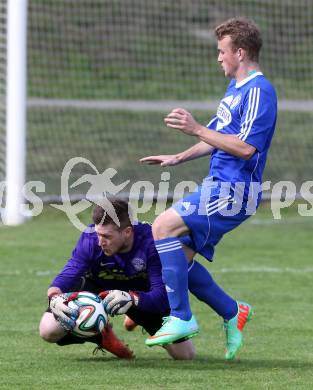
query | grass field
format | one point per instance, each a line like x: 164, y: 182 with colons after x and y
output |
x: 265, y: 262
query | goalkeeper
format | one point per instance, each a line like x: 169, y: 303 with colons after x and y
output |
x: 121, y: 264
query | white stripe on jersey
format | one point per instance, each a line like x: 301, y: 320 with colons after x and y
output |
x: 221, y: 206
x: 256, y: 107
x: 249, y: 114
x: 216, y: 202
x: 254, y: 99
x: 212, y: 209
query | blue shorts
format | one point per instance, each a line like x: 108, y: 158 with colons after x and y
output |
x: 209, y: 213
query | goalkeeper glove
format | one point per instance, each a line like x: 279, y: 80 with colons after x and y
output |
x: 62, y: 313
x: 118, y: 302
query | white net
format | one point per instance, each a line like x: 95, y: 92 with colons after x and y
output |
x: 103, y: 73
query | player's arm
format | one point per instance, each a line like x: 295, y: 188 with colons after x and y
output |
x: 227, y: 142
x: 196, y: 151
x: 182, y: 120
x: 66, y: 280
x: 53, y: 291
x: 75, y: 267
x: 58, y: 300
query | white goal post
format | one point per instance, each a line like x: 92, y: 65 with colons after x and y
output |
x: 15, y: 111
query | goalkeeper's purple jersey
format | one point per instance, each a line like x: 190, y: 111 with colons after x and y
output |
x: 138, y: 270
x: 248, y: 110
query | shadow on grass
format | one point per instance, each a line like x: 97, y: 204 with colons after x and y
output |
x: 203, y: 363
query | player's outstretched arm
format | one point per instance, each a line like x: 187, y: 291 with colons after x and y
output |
x: 199, y: 150
x: 163, y: 160
x: 182, y: 120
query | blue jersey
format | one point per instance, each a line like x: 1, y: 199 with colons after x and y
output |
x: 138, y: 270
x: 249, y: 111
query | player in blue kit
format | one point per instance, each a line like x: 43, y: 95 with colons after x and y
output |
x: 238, y: 139
x: 121, y: 264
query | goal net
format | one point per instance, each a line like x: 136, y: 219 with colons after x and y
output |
x: 102, y: 74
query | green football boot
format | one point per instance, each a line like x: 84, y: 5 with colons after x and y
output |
x: 173, y: 329
x: 233, y: 329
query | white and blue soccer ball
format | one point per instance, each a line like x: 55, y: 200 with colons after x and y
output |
x: 92, y: 317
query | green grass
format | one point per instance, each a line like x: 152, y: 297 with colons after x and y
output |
x: 268, y: 264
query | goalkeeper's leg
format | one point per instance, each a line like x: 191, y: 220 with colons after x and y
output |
x: 51, y: 331
x: 181, y: 349
x: 110, y: 342
x: 129, y: 324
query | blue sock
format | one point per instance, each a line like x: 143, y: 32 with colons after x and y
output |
x: 175, y: 276
x: 202, y: 285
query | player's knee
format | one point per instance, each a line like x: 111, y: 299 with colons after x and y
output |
x: 45, y: 333
x: 48, y: 331
x: 181, y: 351
x: 185, y: 354
x: 160, y: 228
x: 168, y: 224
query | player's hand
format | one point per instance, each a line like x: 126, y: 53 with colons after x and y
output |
x: 62, y: 313
x: 182, y: 120
x: 163, y: 160
x: 119, y: 302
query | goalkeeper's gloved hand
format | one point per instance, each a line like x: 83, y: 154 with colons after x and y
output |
x: 62, y: 313
x: 118, y: 302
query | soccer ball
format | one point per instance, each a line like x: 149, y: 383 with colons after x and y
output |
x: 92, y: 316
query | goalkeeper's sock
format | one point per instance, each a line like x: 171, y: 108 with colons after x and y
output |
x: 202, y: 285
x: 175, y: 276
x: 109, y: 341
x: 70, y: 338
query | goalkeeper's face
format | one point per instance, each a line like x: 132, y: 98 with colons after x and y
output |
x: 113, y: 239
